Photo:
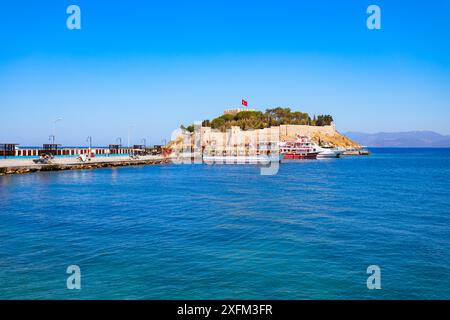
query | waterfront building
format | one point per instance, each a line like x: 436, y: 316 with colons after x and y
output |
x: 8, y: 149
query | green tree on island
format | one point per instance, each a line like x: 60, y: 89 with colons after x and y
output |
x: 247, y: 120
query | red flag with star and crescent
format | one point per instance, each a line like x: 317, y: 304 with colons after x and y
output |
x: 244, y: 103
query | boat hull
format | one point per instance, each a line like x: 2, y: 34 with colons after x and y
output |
x: 329, y: 154
x: 300, y: 156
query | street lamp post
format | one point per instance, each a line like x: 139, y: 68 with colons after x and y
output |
x: 89, y: 139
x: 129, y: 134
x: 54, y: 129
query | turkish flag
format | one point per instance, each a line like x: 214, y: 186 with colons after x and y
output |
x: 244, y: 103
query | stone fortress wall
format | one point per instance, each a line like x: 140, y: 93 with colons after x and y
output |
x: 236, y: 136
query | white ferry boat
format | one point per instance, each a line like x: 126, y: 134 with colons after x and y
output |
x: 327, y: 152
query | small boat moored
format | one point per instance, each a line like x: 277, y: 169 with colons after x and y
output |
x: 327, y: 152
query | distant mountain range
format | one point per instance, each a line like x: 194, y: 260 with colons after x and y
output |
x: 418, y: 139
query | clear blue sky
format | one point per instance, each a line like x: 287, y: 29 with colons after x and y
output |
x: 156, y: 65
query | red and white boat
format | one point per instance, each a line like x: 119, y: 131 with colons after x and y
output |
x: 301, y: 148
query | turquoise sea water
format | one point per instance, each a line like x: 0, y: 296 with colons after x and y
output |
x: 203, y: 232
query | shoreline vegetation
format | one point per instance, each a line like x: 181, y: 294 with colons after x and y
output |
x: 251, y: 119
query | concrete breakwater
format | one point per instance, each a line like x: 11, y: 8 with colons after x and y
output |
x: 20, y: 166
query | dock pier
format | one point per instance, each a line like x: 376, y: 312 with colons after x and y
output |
x: 20, y: 166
